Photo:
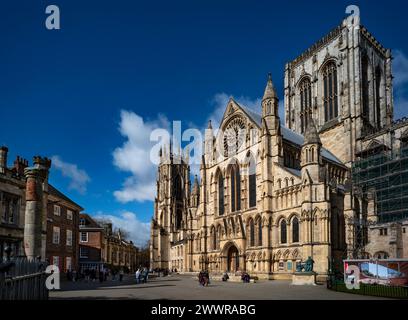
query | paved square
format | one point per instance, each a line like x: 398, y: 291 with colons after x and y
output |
x: 185, y: 287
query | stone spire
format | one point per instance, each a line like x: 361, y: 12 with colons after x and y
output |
x: 208, y: 142
x: 270, y: 92
x: 311, y: 134
x: 209, y: 125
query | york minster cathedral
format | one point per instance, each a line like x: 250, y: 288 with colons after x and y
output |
x: 271, y: 193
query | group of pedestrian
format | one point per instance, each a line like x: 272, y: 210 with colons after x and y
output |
x: 72, y: 275
x: 204, y: 278
x: 91, y: 275
x: 142, y: 275
x: 245, y: 277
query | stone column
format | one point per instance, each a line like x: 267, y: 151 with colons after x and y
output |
x: 35, y: 212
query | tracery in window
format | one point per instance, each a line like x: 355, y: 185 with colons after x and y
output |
x: 330, y: 95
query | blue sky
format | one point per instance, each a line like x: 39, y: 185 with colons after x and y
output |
x: 87, y: 94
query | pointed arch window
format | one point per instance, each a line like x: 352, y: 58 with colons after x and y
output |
x: 295, y: 230
x: 283, y: 230
x: 219, y: 234
x: 259, y: 232
x: 214, y: 238
x: 178, y: 188
x: 179, y: 219
x: 378, y: 96
x: 305, y: 89
x: 235, y: 189
x: 220, y: 194
x: 365, y: 84
x: 251, y: 233
x: 330, y: 95
x: 252, y: 184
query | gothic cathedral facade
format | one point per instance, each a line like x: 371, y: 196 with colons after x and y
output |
x: 270, y: 196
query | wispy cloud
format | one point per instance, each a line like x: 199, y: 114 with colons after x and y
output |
x: 139, y: 232
x: 400, y: 70
x: 134, y: 156
x: 78, y: 177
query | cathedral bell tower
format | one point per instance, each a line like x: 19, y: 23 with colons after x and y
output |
x: 173, y: 196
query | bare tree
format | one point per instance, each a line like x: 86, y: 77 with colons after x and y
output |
x: 124, y: 233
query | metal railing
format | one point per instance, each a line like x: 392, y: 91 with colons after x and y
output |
x: 21, y: 279
x: 394, y: 292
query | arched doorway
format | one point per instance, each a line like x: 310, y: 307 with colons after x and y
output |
x: 232, y: 259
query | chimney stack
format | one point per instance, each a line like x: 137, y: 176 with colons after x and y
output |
x: 3, y: 159
x: 19, y: 165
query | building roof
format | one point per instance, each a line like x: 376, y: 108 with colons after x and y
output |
x: 91, y: 222
x: 58, y: 194
x: 288, y: 134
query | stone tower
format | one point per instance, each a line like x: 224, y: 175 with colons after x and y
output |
x: 344, y: 82
x: 36, y: 208
x: 169, y: 224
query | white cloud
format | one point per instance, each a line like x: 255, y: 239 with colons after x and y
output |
x: 134, y: 157
x: 400, y: 68
x: 139, y: 232
x: 400, y: 71
x: 78, y: 178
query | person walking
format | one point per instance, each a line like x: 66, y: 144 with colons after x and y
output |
x: 147, y: 275
x: 93, y: 275
x: 206, y: 278
x: 74, y: 275
x: 121, y: 273
x: 137, y: 275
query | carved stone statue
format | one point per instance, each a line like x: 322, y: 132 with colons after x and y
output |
x: 309, y: 264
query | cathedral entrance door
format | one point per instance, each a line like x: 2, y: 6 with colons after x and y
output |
x: 233, y: 259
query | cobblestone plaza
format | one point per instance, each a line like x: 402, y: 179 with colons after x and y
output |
x: 186, y: 287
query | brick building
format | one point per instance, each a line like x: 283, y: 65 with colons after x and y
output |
x: 62, y: 230
x: 100, y: 246
x: 27, y: 221
x: 91, y: 243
